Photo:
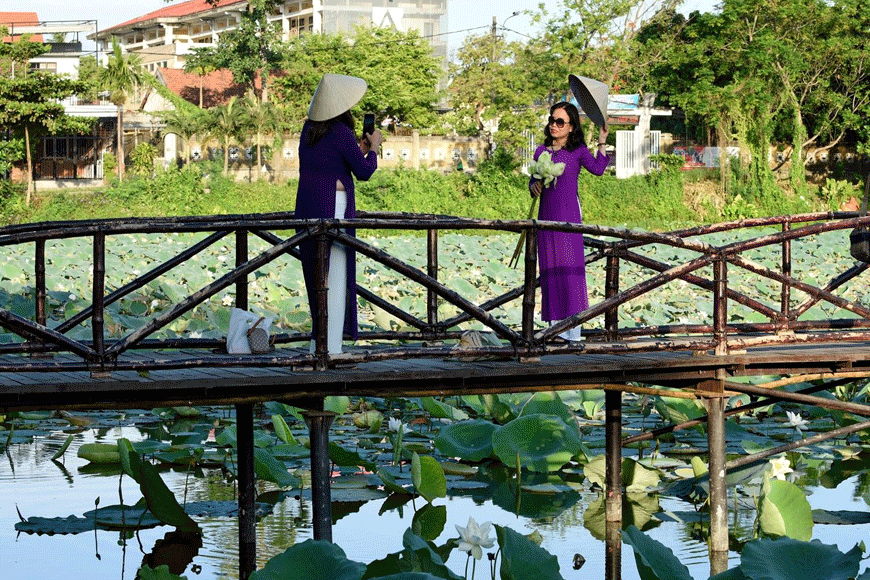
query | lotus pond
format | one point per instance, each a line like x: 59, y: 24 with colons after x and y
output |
x: 407, y: 472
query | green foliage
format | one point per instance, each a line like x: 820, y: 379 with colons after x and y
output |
x: 654, y: 561
x: 467, y: 440
x: 541, y: 443
x: 142, y: 159
x: 311, y: 560
x: 522, y: 558
x: 428, y: 477
x: 783, y: 510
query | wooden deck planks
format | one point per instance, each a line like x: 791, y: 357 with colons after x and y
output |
x: 44, y: 383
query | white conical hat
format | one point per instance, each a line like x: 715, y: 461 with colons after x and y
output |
x: 592, y: 96
x: 334, y: 95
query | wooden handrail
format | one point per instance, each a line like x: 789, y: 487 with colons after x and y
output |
x: 617, y: 250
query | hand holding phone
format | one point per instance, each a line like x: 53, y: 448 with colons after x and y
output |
x: 368, y: 125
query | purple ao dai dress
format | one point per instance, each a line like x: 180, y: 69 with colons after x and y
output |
x: 560, y: 254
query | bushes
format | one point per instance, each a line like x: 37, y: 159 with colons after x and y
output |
x: 653, y: 201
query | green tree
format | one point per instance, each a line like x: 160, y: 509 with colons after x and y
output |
x: 262, y: 118
x: 400, y: 69
x: 225, y: 125
x: 200, y: 62
x: 14, y: 55
x: 184, y: 122
x: 252, y: 50
x: 121, y: 76
x: 30, y: 103
x: 30, y: 106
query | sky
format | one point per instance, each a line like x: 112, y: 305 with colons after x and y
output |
x: 463, y: 16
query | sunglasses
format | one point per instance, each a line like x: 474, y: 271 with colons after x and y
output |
x: 557, y: 122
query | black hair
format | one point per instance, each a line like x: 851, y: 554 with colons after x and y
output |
x: 575, y: 137
x: 317, y: 130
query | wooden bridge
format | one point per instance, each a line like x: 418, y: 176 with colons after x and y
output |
x: 757, y: 305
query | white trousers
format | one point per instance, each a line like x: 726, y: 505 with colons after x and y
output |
x: 336, y: 282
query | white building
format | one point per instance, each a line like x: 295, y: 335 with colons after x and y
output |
x: 165, y: 37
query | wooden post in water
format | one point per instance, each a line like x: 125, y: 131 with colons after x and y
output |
x: 613, y: 484
x: 611, y: 289
x: 716, y: 466
x: 432, y: 271
x: 247, y: 491
x: 529, y: 285
x: 321, y: 499
x: 241, y: 258
x: 321, y: 347
x: 98, y: 300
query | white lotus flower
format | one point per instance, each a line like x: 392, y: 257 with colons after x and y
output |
x: 397, y: 426
x: 473, y: 538
x: 779, y: 467
x: 545, y: 170
x: 796, y: 421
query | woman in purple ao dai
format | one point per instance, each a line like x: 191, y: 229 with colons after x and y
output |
x: 561, y: 254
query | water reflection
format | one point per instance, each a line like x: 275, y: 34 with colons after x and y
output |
x: 176, y: 550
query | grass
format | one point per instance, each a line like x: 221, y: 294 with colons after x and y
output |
x: 656, y: 202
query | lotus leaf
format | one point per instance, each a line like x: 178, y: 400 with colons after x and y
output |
x: 270, y: 469
x: 63, y: 447
x: 655, y: 561
x: 390, y: 483
x: 543, y: 443
x: 635, y: 477
x: 548, y: 403
x: 429, y: 521
x: 787, y: 558
x: 346, y: 458
x: 466, y: 440
x: 311, y: 560
x: 282, y: 430
x: 442, y: 410
x: 428, y: 477
x: 100, y: 452
x: 783, y: 510
x: 522, y: 558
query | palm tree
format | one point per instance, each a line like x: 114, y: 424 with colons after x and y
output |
x: 262, y: 117
x: 122, y: 74
x: 225, y: 124
x: 184, y: 122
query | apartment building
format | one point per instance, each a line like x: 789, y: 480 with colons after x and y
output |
x: 165, y: 37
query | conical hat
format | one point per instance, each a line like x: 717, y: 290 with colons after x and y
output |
x: 335, y: 95
x: 592, y: 96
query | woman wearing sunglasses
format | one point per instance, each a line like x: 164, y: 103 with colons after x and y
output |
x: 560, y: 254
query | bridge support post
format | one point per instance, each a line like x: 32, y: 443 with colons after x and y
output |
x: 613, y: 483
x: 321, y: 500
x: 716, y: 465
x: 247, y: 491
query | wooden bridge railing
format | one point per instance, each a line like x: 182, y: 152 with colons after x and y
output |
x: 616, y: 251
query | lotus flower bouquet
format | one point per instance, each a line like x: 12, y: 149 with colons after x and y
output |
x: 546, y: 171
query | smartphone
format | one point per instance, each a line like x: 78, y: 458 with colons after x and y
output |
x: 368, y: 124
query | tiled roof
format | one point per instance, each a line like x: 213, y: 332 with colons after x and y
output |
x: 178, y: 11
x: 21, y: 19
x: 217, y: 86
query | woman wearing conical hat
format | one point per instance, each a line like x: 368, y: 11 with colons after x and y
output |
x: 561, y: 256
x: 330, y: 156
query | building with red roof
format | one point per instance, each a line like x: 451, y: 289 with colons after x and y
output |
x: 165, y: 37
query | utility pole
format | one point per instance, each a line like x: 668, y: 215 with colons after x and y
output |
x: 494, y: 37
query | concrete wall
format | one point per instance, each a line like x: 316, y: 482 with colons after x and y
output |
x: 412, y: 151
